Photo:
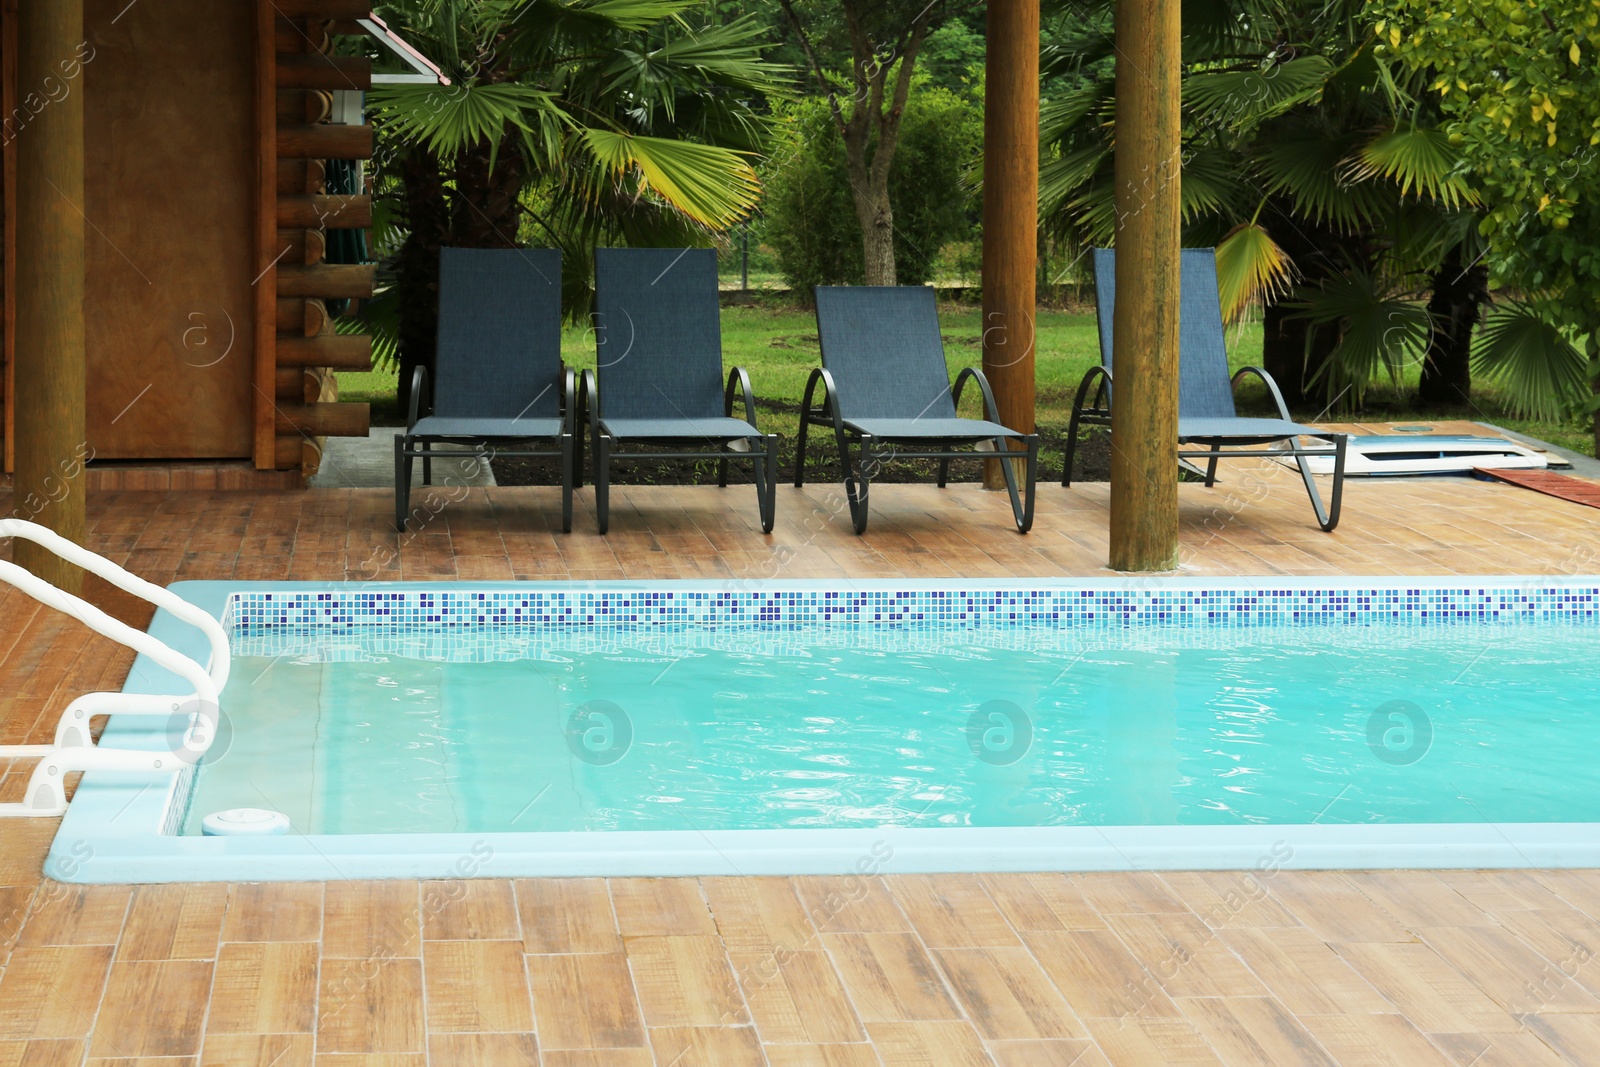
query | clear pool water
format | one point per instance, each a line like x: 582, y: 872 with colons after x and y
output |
x: 845, y: 727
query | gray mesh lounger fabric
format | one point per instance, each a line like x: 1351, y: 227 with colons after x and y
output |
x: 885, y: 380
x: 1206, y: 412
x: 658, y: 379
x: 498, y: 375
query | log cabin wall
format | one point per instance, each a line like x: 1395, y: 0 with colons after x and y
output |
x: 169, y: 199
x: 297, y: 347
x: 8, y: 203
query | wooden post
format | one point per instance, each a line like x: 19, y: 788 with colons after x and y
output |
x: 1010, y: 212
x: 1144, y: 412
x: 51, y: 442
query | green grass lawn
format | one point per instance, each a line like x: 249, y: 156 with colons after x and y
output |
x: 777, y: 344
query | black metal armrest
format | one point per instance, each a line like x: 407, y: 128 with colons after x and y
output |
x: 740, y: 377
x: 1272, y: 387
x: 991, y: 410
x: 419, y: 382
x: 569, y: 399
x: 589, y: 398
x: 830, y: 399
x: 1096, y: 374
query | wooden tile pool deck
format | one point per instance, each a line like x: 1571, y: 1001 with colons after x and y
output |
x: 1400, y: 968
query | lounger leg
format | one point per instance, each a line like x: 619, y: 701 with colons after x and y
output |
x: 767, y: 483
x: 857, y: 479
x: 1327, y: 518
x: 402, y: 482
x: 800, y: 451
x: 1211, y: 466
x: 1021, y: 513
x: 427, y: 463
x: 944, y: 466
x: 567, y: 472
x: 577, y: 458
x: 1071, y: 450
x: 602, y: 481
x: 722, y: 468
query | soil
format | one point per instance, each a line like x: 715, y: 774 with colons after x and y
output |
x: 1091, y: 464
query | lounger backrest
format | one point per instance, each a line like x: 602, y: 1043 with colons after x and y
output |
x: 1204, y: 389
x: 658, y: 333
x: 499, y: 340
x: 882, y: 346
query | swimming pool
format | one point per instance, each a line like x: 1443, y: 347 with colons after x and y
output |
x: 807, y: 727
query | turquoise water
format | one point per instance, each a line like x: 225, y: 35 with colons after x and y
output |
x: 377, y: 733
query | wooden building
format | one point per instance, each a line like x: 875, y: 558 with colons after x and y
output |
x: 206, y: 127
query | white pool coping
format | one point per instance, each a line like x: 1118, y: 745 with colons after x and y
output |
x: 116, y: 828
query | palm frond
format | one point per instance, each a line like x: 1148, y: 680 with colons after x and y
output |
x: 449, y: 118
x: 1242, y: 99
x: 1541, y: 371
x: 714, y: 186
x: 1251, y: 269
x: 1379, y: 332
x: 1416, y: 158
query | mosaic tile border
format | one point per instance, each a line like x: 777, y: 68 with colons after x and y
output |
x: 416, y: 610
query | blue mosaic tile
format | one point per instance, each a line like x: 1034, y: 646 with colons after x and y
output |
x: 536, y: 609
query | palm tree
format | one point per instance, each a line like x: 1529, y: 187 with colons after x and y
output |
x: 579, y: 121
x: 1333, y: 198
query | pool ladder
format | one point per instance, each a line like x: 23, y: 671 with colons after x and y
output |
x: 194, y: 715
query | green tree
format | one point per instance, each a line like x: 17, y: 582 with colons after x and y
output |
x: 810, y: 222
x: 615, y: 116
x: 1324, y: 181
x: 1519, y: 85
x: 876, y: 44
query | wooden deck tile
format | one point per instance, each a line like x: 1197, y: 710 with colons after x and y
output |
x: 370, y: 1006
x: 951, y: 911
x: 1254, y: 1030
x: 1041, y: 902
x: 273, y: 911
x: 1513, y: 974
x: 660, y: 906
x: 264, y: 987
x: 797, y: 998
x: 476, y: 987
x: 611, y: 1057
x: 1097, y: 975
x: 926, y: 1044
x: 1334, y: 908
x: 1381, y: 1040
x: 1007, y: 996
x: 890, y: 977
x: 1433, y: 995
x: 469, y: 909
x: 707, y: 1046
x: 1134, y: 1041
x: 821, y: 1056
x: 1185, y: 955
x: 484, y: 1050
x: 1524, y: 1049
x: 77, y: 915
x: 839, y: 905
x: 42, y: 1053
x: 1047, y: 1054
x: 52, y: 992
x: 256, y: 1050
x: 1304, y: 973
x: 685, y: 981
x: 585, y: 1001
x: 371, y: 919
x: 173, y: 922
x: 152, y: 1008
x: 561, y: 915
x: 758, y: 915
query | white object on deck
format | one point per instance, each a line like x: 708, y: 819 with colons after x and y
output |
x: 245, y: 822
x: 73, y: 749
x: 1429, y: 454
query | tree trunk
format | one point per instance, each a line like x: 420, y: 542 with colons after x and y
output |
x: 417, y: 266
x: 877, y: 236
x: 1285, y: 355
x: 1453, y: 313
x: 486, y: 210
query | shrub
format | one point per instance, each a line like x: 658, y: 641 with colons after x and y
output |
x: 810, y: 213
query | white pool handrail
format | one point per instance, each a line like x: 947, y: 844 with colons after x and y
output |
x: 72, y: 748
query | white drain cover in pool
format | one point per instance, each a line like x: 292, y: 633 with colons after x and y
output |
x: 245, y: 822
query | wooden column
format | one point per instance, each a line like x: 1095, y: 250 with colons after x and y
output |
x: 1144, y: 413
x: 1010, y: 211
x: 51, y: 443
